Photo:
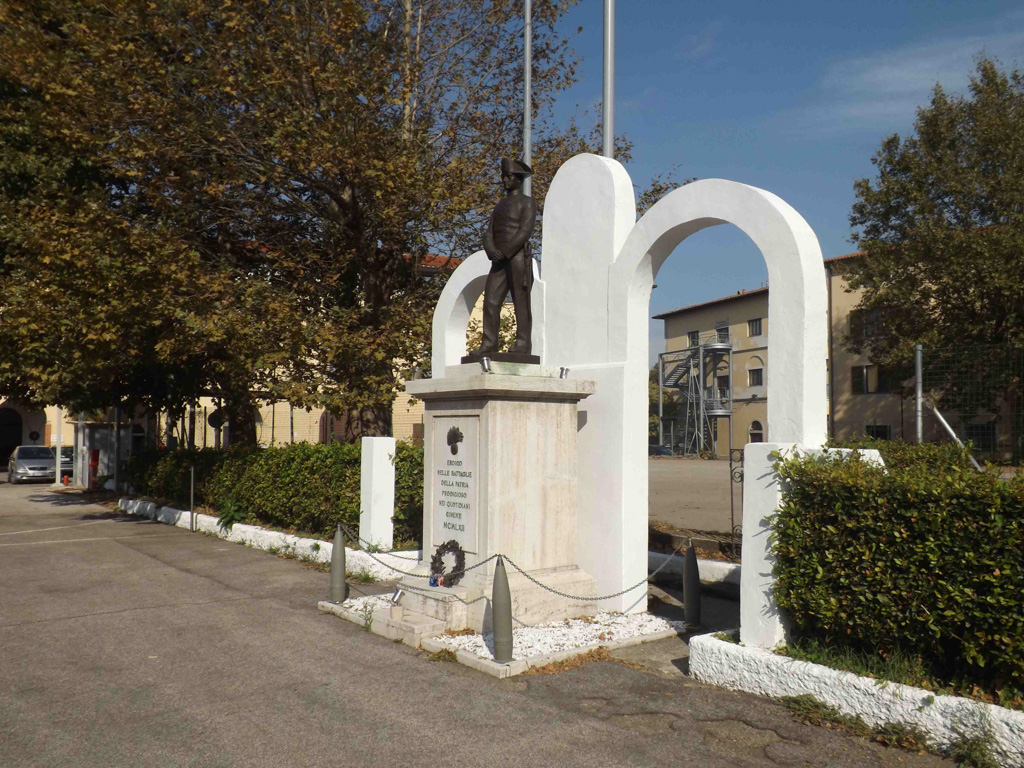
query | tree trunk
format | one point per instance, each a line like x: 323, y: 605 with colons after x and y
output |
x: 372, y: 421
x: 241, y: 419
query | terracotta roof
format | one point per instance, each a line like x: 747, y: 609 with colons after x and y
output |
x: 435, y: 261
x: 741, y: 294
x: 844, y: 258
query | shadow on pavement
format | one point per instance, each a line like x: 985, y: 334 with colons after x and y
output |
x: 58, y: 499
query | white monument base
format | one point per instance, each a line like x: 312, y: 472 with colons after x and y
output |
x: 500, y: 478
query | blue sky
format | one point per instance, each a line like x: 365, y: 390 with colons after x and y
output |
x: 792, y: 97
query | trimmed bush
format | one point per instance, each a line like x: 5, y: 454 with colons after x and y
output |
x: 922, y: 558
x: 165, y: 475
x: 304, y: 488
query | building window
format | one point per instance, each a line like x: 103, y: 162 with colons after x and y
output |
x: 754, y: 327
x: 878, y: 431
x: 722, y: 329
x: 756, y: 432
x: 755, y: 377
x: 864, y: 323
x: 870, y: 380
x: 693, y: 338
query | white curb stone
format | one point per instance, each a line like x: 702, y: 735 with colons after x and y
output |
x: 944, y: 719
x: 260, y: 538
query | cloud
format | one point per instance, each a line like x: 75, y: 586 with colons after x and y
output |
x: 640, y: 102
x: 883, y: 90
x: 700, y: 46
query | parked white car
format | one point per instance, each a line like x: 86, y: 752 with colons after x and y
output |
x: 31, y: 462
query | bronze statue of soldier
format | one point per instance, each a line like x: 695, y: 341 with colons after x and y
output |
x: 507, y: 244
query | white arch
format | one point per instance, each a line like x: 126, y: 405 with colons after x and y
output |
x: 600, y: 268
x: 796, y: 302
x: 455, y: 305
x: 451, y: 315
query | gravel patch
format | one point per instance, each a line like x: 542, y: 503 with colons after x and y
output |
x: 566, y: 635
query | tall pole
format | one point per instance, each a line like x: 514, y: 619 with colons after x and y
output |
x: 59, y: 426
x: 661, y: 401
x: 608, y: 103
x: 78, y: 472
x: 918, y: 370
x: 117, y: 449
x: 528, y: 94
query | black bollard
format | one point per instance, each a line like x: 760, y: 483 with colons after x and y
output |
x: 691, y: 587
x: 339, y: 587
x: 501, y: 615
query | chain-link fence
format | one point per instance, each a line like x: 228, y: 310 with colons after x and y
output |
x: 979, y: 390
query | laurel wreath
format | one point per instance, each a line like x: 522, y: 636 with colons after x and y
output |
x: 450, y: 547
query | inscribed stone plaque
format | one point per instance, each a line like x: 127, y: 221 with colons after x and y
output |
x: 455, y: 482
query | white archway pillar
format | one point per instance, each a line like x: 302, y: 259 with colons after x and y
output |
x: 600, y: 267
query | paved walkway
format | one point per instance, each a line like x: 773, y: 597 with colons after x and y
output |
x: 129, y: 643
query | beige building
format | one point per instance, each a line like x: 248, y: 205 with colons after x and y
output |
x: 862, y: 397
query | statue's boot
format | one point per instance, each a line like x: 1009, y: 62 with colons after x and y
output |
x: 480, y: 354
x: 521, y: 348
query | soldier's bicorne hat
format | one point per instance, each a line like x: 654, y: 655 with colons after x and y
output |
x: 515, y: 167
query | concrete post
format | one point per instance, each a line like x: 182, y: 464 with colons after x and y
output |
x: 760, y: 621
x: 501, y: 615
x: 338, y: 592
x: 691, y: 587
x: 377, y: 491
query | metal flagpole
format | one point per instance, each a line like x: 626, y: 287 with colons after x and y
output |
x: 608, y: 105
x: 528, y: 94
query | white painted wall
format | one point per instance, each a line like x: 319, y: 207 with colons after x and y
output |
x: 377, y: 491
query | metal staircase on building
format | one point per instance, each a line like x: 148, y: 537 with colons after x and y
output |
x: 693, y: 373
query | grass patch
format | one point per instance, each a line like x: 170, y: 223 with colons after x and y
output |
x: 975, y: 750
x: 361, y: 576
x: 896, y: 667
x: 444, y: 654
x: 809, y: 710
x: 726, y: 637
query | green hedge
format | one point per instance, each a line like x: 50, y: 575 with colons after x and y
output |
x: 304, y: 488
x: 922, y: 558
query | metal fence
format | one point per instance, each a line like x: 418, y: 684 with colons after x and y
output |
x: 978, y: 390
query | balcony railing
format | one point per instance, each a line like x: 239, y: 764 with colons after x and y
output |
x: 717, y: 399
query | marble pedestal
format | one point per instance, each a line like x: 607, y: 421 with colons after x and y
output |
x: 500, y: 477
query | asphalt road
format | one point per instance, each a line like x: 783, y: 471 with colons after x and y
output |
x: 128, y: 643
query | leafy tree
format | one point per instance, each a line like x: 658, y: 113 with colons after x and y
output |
x: 941, y: 229
x: 266, y: 178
